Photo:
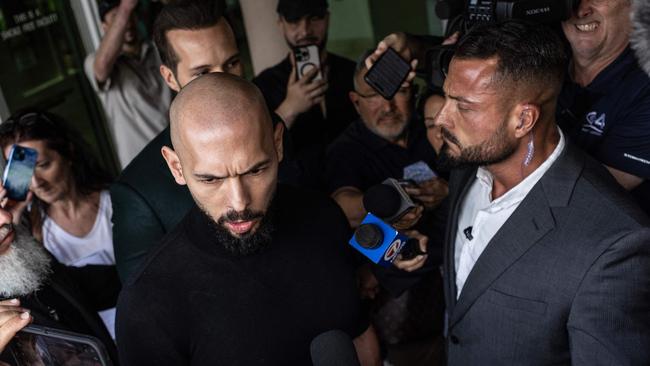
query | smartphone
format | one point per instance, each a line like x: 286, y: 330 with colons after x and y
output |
x: 307, y: 58
x: 388, y: 73
x: 38, y: 345
x: 18, y: 173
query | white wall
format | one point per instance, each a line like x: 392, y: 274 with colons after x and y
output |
x: 265, y: 39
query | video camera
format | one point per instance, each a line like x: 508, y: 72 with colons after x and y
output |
x: 464, y: 14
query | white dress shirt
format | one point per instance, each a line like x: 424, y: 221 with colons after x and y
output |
x: 486, y: 216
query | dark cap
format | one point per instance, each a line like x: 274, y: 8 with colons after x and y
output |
x: 104, y: 6
x: 293, y: 10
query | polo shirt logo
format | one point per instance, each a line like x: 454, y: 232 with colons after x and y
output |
x: 595, y: 125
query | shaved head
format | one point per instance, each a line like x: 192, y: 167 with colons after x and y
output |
x: 227, y: 151
x: 216, y: 101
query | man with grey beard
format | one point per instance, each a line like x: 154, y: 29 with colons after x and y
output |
x: 35, y: 288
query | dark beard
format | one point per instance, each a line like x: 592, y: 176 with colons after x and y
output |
x: 251, y: 242
x: 495, y: 150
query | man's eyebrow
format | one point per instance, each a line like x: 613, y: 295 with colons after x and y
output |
x: 460, y: 99
x: 202, y: 176
x: 233, y: 58
x: 257, y: 166
x: 199, y: 67
x: 206, y: 176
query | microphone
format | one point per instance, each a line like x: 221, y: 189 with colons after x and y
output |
x: 387, y: 200
x: 640, y: 37
x: 333, y: 348
x: 375, y: 238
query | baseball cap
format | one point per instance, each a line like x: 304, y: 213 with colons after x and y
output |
x: 293, y: 10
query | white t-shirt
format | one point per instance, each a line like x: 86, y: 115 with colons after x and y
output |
x: 94, y: 248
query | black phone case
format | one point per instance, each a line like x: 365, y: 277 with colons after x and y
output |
x: 388, y: 73
x: 100, y: 356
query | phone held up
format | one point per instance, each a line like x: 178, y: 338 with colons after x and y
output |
x: 18, y: 172
x: 388, y: 73
x: 307, y: 58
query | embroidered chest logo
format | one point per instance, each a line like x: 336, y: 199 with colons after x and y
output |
x: 595, y: 124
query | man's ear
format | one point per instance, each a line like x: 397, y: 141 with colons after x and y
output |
x: 528, y: 115
x: 354, y: 98
x: 174, y: 164
x: 278, y: 133
x: 168, y: 75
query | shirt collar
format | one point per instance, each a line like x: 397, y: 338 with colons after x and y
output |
x: 517, y: 194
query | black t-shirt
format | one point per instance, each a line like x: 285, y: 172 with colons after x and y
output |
x: 311, y: 132
x: 610, y: 118
x: 359, y: 158
x: 194, y: 303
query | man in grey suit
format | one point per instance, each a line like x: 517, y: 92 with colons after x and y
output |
x: 547, y: 262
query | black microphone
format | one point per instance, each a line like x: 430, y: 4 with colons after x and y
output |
x: 640, y: 37
x: 333, y: 348
x: 387, y: 200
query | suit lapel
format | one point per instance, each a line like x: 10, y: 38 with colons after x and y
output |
x: 526, y: 226
x: 463, y: 179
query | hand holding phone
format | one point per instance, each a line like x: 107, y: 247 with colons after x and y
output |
x: 388, y: 73
x: 304, y: 90
x: 18, y: 172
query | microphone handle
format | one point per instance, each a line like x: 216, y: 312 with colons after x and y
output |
x: 411, y: 249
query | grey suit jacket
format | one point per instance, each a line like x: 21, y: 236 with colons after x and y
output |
x: 566, y: 280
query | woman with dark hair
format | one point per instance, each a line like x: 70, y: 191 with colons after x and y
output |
x: 71, y: 208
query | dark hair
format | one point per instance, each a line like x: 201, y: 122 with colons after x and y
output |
x: 184, y: 14
x: 43, y: 126
x: 525, y: 51
x: 104, y: 6
x: 426, y: 94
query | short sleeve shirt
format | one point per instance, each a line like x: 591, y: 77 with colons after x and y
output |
x: 610, y: 118
x: 135, y: 100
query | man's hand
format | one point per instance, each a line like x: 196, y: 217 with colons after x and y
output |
x: 12, y: 319
x: 410, y: 219
x: 407, y: 48
x: 430, y: 193
x: 399, y: 42
x: 417, y: 262
x: 15, y: 208
x: 302, y: 94
x: 111, y: 45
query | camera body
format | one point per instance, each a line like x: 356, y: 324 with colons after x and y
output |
x: 536, y: 11
x: 474, y: 12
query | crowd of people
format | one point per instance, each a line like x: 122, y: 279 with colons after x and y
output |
x: 224, y: 239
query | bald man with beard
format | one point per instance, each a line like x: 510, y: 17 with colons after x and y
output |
x: 257, y: 269
x: 35, y: 288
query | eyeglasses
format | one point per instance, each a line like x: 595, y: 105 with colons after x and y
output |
x: 376, y: 97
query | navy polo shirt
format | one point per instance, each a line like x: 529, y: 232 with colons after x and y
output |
x: 359, y: 158
x: 610, y: 118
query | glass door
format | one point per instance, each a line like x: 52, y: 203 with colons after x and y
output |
x: 41, y: 65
